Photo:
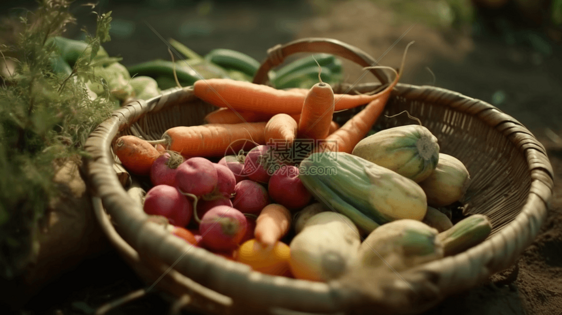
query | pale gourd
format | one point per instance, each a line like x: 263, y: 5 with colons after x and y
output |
x: 437, y: 219
x: 325, y: 249
x: 411, y: 151
x: 400, y: 245
x: 447, y: 183
x: 306, y: 213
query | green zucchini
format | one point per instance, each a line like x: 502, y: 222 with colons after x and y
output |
x: 467, y: 233
x: 158, y: 68
x: 239, y: 76
x: 324, y: 60
x: 233, y: 60
x: 60, y: 66
x: 166, y: 82
x: 294, y: 79
x: 367, y: 193
x: 71, y: 49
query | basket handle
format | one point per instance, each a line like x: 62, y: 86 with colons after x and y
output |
x: 277, y: 54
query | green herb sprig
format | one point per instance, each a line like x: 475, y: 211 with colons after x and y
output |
x: 45, y: 118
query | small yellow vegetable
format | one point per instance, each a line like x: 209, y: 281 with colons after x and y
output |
x: 271, y: 261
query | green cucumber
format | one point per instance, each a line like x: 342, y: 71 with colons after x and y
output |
x: 166, y: 82
x: 71, y: 49
x: 159, y: 68
x: 233, y: 60
x: 361, y: 190
x: 294, y: 79
x: 208, y: 70
x: 467, y: 233
x: 60, y: 66
x: 239, y: 76
x: 324, y: 60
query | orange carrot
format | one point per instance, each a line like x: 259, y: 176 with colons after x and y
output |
x: 272, y: 224
x: 136, y: 154
x: 247, y: 96
x: 317, y: 112
x: 281, y: 127
x: 228, y: 116
x: 345, y: 138
x: 213, y: 140
x: 333, y: 127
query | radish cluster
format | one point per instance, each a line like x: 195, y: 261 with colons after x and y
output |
x: 218, y: 203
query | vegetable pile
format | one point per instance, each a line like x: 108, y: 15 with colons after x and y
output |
x: 303, y: 197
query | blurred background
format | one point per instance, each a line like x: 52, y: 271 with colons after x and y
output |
x: 505, y: 52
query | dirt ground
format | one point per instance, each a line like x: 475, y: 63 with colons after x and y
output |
x: 521, y: 77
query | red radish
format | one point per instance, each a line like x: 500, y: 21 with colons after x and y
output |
x: 257, y: 163
x: 197, y: 176
x: 163, y: 170
x: 236, y: 164
x: 222, y: 228
x: 250, y: 197
x: 168, y: 202
x: 251, y: 220
x: 286, y: 188
x: 182, y: 233
x: 205, y: 205
x: 226, y: 182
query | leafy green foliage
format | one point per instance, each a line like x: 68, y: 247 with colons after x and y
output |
x: 45, y: 118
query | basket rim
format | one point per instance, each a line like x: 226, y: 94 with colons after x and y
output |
x: 479, y: 262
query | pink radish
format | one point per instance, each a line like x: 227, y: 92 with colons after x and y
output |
x: 286, y: 188
x: 205, y: 205
x: 250, y: 197
x: 226, y: 182
x: 163, y: 170
x: 168, y: 202
x: 197, y: 176
x: 222, y: 228
x: 257, y: 162
x: 236, y: 164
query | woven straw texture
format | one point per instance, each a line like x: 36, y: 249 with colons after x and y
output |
x: 512, y: 183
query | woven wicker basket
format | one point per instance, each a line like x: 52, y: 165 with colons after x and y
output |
x: 512, y: 183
